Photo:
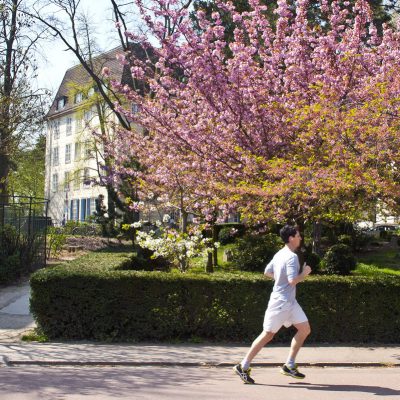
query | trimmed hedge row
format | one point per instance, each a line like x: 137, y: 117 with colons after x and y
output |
x: 76, y: 302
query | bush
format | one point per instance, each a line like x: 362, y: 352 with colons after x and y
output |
x: 88, y: 299
x: 346, y: 239
x: 70, y: 226
x: 9, y: 240
x: 10, y: 254
x: 225, y: 236
x: 361, y: 239
x: 313, y: 260
x: 253, y: 252
x: 140, y: 263
x: 152, y: 264
x: 339, y: 259
x: 56, y: 239
x: 10, y: 268
x: 29, y: 250
x: 17, y: 253
x: 78, y: 228
x: 229, y: 232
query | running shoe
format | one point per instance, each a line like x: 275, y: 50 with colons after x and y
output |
x: 293, y: 372
x: 244, y: 375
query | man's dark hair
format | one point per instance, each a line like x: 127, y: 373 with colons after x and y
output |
x: 287, y: 231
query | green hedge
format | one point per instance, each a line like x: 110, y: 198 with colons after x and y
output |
x: 76, y: 301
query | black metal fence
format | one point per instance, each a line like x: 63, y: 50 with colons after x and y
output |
x: 26, y: 218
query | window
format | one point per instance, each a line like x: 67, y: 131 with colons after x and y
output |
x: 88, y: 207
x: 135, y: 108
x: 61, y: 102
x: 67, y: 153
x: 56, y: 158
x: 66, y: 181
x: 86, y: 177
x: 77, y: 179
x: 68, y: 129
x: 78, y: 125
x: 91, y: 92
x: 77, y: 156
x: 78, y: 98
x: 66, y: 211
x: 87, y: 116
x: 75, y: 209
x: 88, y: 151
x: 54, y: 183
x: 56, y: 130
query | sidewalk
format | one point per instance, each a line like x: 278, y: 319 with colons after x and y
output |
x: 90, y: 354
x: 15, y: 319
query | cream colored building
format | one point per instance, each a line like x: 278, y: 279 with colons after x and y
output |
x: 73, y: 155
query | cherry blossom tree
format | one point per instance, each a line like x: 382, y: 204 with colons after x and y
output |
x: 297, y: 121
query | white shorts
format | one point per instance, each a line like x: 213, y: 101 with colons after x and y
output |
x: 283, y: 313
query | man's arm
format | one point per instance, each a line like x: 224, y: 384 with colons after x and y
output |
x: 300, y: 278
x: 269, y: 270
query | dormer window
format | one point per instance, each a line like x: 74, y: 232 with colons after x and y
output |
x: 78, y: 97
x: 61, y: 102
x: 135, y: 108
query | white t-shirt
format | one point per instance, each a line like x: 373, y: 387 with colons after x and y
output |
x: 285, y: 266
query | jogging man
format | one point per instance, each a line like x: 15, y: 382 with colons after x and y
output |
x: 283, y: 308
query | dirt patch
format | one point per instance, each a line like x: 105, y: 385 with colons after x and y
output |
x: 76, y: 246
x: 90, y: 243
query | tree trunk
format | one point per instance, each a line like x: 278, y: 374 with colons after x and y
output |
x: 184, y: 221
x: 209, y: 266
x: 300, y: 251
x: 111, y: 211
x: 316, y: 244
x: 3, y: 187
x: 6, y: 91
x: 4, y: 171
x: 214, y: 240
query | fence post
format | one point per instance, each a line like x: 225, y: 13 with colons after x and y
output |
x: 30, y: 217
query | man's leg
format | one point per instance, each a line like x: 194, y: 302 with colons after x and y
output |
x: 303, y: 330
x: 257, y: 345
x: 243, y: 369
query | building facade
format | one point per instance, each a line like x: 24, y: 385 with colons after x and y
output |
x: 73, y: 154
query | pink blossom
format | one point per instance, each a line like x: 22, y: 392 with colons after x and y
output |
x: 105, y: 71
x: 286, y: 125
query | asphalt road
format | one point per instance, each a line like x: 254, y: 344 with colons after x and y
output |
x: 149, y: 383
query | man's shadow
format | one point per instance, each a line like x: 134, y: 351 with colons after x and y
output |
x: 376, y: 390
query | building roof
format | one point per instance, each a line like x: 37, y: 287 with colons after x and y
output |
x: 79, y: 76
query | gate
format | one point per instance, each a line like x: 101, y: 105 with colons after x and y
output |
x: 25, y: 219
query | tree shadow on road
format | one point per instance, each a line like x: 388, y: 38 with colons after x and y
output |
x: 102, y: 382
x: 376, y: 390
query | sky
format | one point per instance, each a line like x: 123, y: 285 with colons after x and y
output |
x: 56, y: 60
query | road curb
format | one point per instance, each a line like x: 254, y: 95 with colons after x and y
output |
x: 48, y: 363
x: 4, y: 361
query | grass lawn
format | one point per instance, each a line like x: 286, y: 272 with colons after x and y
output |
x: 382, y: 260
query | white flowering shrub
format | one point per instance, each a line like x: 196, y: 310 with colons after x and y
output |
x: 175, y: 246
